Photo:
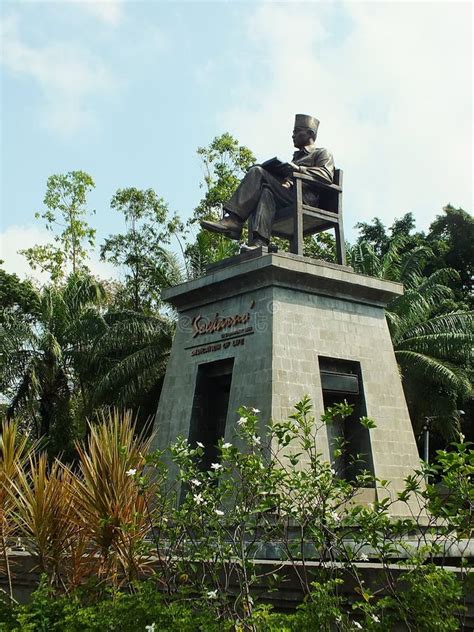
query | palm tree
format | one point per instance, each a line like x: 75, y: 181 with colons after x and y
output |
x: 131, y: 358
x: 45, y: 362
x: 433, y: 341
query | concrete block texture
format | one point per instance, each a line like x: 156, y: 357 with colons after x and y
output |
x: 276, y: 315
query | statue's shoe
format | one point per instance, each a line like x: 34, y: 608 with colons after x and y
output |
x: 229, y: 226
x: 255, y: 245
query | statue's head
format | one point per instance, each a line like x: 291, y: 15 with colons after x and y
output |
x: 305, y: 130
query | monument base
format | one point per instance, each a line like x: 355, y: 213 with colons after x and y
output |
x: 263, y: 330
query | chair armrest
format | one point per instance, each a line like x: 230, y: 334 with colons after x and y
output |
x: 314, y: 181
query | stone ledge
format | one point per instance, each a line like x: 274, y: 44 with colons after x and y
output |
x: 244, y: 274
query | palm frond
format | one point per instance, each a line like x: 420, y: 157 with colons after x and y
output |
x: 411, y: 266
x: 390, y: 267
x: 439, y: 373
x: 455, y: 322
x: 364, y: 259
x: 455, y: 347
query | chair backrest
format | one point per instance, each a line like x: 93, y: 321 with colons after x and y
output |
x: 330, y: 200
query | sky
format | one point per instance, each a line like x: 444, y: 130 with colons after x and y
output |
x: 128, y: 90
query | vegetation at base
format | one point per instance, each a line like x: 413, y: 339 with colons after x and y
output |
x: 120, y: 546
x: 146, y: 608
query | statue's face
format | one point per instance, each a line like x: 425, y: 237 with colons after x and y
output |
x: 302, y: 136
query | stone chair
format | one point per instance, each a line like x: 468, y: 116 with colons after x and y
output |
x: 299, y: 220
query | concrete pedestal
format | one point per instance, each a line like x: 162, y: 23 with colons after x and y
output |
x: 277, y: 315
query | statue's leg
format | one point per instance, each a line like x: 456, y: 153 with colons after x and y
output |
x: 273, y: 196
x: 256, y: 197
x: 247, y: 195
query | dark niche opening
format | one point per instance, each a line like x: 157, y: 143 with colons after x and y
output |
x: 210, y: 404
x: 342, y: 380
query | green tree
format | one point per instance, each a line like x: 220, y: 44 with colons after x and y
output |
x: 131, y: 356
x: 224, y: 162
x: 17, y: 297
x: 140, y: 250
x: 66, y: 216
x: 46, y: 364
x: 451, y: 238
x: 433, y: 343
x: 434, y: 352
x: 380, y: 238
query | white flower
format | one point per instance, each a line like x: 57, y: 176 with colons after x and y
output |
x: 199, y: 444
x: 198, y: 499
x: 216, y: 466
x: 226, y: 446
x: 335, y: 516
x: 363, y: 557
x: 212, y: 594
x: 357, y: 625
x: 375, y: 618
x: 256, y: 440
x: 255, y: 411
x: 461, y: 437
x: 219, y: 512
x: 242, y: 421
x: 150, y: 628
x: 333, y: 471
x: 195, y: 482
x: 131, y: 472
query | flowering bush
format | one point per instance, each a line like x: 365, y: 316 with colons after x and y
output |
x: 270, y: 512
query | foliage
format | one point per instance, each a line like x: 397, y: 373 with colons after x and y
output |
x: 112, y: 511
x: 131, y: 356
x: 66, y: 211
x: 14, y: 448
x: 44, y: 515
x: 448, y: 244
x: 140, y: 250
x: 433, y: 342
x: 450, y: 237
x: 17, y: 297
x: 224, y: 162
x: 116, y: 611
x: 434, y: 354
x: 45, y: 364
x: 268, y: 490
x: 450, y: 490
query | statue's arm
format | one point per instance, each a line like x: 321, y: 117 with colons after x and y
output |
x: 323, y: 167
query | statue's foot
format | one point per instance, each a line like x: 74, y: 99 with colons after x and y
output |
x: 230, y: 226
x: 258, y: 242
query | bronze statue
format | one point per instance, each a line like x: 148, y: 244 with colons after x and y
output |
x: 270, y: 186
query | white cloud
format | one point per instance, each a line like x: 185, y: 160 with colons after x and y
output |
x: 394, y: 96
x: 17, y: 238
x: 68, y: 78
x: 108, y: 11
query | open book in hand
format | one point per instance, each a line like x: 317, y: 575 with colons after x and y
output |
x: 278, y: 168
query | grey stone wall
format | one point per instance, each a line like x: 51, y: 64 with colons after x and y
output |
x: 307, y: 326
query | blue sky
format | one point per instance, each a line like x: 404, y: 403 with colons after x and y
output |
x: 127, y: 91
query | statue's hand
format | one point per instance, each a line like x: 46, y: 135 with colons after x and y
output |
x: 287, y: 183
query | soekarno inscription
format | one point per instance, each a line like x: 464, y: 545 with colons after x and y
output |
x: 202, y: 326
x: 230, y: 330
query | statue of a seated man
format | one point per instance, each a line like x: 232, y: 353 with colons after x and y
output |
x: 261, y: 193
